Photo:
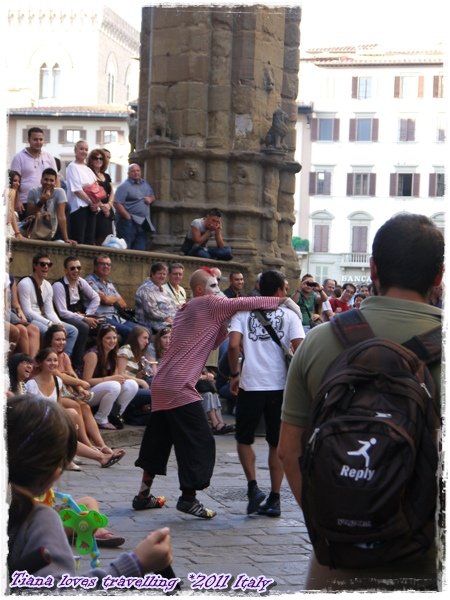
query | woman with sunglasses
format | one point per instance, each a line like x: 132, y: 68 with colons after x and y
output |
x: 76, y: 392
x: 98, y: 162
x: 107, y: 384
x: 46, y: 384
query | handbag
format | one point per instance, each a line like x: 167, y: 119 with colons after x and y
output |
x: 95, y: 192
x: 273, y: 334
x: 312, y: 322
x: 41, y: 227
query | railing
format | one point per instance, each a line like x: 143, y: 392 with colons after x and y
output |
x: 355, y: 258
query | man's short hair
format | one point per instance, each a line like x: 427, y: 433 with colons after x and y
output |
x: 37, y: 257
x: 69, y: 259
x: 213, y: 212
x: 157, y: 266
x: 99, y: 257
x: 408, y: 251
x: 49, y: 171
x: 235, y: 273
x: 348, y: 284
x: 325, y: 281
x: 175, y: 265
x: 34, y: 130
x: 305, y: 276
x: 270, y: 282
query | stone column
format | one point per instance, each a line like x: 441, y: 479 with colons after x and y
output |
x: 216, y: 125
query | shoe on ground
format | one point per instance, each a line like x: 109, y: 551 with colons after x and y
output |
x: 270, y: 508
x: 108, y: 539
x: 149, y: 502
x: 117, y: 421
x: 255, y: 497
x: 195, y: 508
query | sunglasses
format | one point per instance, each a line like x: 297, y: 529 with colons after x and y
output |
x: 103, y: 264
x: 107, y: 326
x: 75, y: 268
x: 97, y: 158
x: 45, y: 264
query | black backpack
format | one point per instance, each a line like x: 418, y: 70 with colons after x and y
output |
x: 370, y: 459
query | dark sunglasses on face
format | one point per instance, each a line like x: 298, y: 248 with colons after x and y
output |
x: 45, y: 264
x: 74, y: 268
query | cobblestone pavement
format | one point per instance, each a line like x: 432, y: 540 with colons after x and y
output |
x: 232, y: 543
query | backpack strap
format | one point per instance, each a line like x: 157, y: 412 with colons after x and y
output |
x: 427, y: 346
x: 351, y: 328
x: 262, y: 318
x: 37, y: 290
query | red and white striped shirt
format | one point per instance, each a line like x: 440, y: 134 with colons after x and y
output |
x: 199, y: 327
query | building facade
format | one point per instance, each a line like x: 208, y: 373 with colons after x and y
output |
x: 72, y: 70
x: 371, y: 141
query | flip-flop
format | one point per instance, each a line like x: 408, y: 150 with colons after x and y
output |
x: 108, y: 426
x: 109, y: 540
x: 114, y: 459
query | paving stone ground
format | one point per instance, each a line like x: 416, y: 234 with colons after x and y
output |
x: 232, y: 544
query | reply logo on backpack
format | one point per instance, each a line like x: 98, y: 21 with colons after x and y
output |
x: 370, y: 459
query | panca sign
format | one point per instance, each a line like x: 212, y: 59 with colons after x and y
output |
x: 355, y: 279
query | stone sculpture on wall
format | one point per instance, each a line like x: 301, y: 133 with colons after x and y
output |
x: 160, y: 122
x: 278, y: 131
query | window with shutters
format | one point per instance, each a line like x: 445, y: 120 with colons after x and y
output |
x: 71, y: 136
x: 363, y: 129
x: 407, y: 130
x: 362, y: 88
x: 361, y: 184
x: 436, y: 185
x: 404, y: 184
x: 109, y: 136
x: 320, y: 183
x: 321, y: 236
x: 359, y: 238
x: 441, y: 128
x: 438, y: 86
x: 324, y: 129
x: 408, y: 86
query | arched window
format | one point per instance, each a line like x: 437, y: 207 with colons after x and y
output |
x: 56, y: 75
x: 111, y: 87
x: 44, y: 81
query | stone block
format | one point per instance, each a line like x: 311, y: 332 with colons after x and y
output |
x: 194, y: 122
x: 189, y: 169
x: 221, y: 43
x: 287, y: 182
x: 290, y: 85
x: 292, y: 34
x: 219, y: 97
x: 217, y: 194
x: 217, y: 171
x: 292, y: 59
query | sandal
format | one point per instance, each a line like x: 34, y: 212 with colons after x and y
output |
x: 115, y: 457
x: 223, y: 430
x: 108, y: 539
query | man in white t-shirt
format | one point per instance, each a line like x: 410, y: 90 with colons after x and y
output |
x: 260, y: 384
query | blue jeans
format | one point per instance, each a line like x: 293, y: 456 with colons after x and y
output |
x: 212, y: 253
x: 123, y: 329
x: 136, y: 237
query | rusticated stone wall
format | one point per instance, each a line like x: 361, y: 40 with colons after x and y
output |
x: 211, y: 80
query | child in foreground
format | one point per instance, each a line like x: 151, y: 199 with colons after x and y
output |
x: 41, y: 442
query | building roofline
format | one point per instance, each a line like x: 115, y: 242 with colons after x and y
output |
x: 65, y: 112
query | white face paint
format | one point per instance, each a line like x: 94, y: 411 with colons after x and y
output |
x: 212, y: 287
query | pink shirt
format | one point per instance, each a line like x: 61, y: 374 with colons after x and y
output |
x: 30, y: 169
x: 198, y: 328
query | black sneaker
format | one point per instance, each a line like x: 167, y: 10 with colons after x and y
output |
x: 255, y: 497
x: 195, y: 508
x: 149, y: 502
x: 271, y: 507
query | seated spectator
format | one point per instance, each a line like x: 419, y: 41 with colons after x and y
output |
x: 47, y: 202
x: 206, y: 387
x: 154, y: 307
x: 112, y: 391
x: 172, y: 287
x: 41, y: 443
x: 46, y: 384
x: 26, y: 335
x: 234, y: 290
x: 130, y: 363
x: 111, y: 302
x: 202, y: 229
x: 77, y: 303
x: 162, y: 342
x: 76, y: 393
x: 20, y: 367
x: 342, y: 304
x: 36, y: 299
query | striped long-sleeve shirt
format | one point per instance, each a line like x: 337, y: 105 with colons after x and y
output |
x: 199, y: 327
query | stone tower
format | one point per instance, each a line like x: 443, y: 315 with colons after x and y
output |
x: 216, y: 125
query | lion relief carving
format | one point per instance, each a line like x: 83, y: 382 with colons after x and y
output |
x: 278, y: 131
x: 160, y: 121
